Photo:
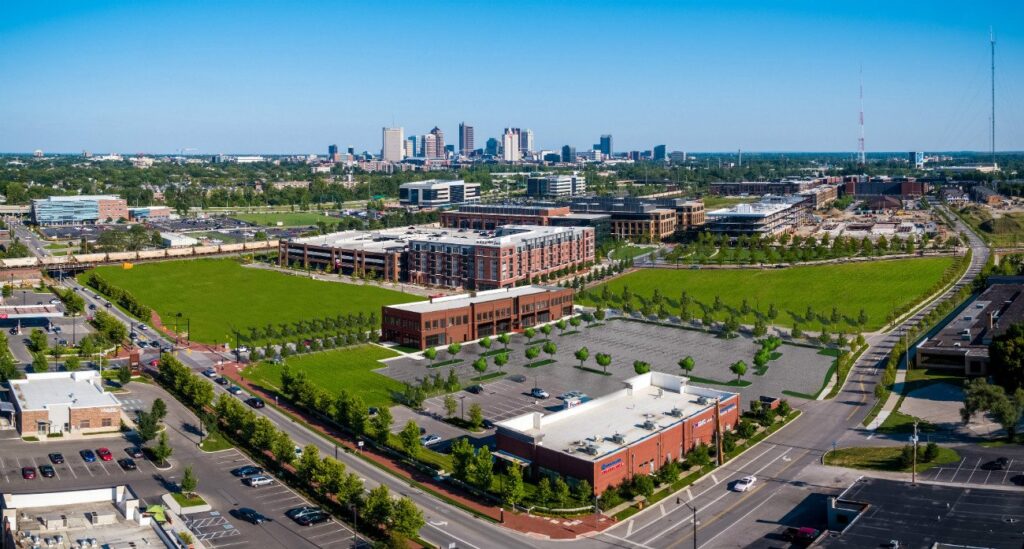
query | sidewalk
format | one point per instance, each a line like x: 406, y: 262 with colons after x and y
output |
x: 544, y: 527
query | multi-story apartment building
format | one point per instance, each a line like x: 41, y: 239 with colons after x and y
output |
x: 465, y: 317
x: 556, y: 186
x: 491, y: 216
x: 66, y: 210
x: 434, y: 192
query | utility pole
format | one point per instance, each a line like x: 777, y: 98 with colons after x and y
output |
x: 992, y: 44
x: 718, y: 435
x: 913, y: 469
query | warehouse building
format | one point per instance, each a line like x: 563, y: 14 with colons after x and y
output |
x: 177, y: 240
x: 467, y: 317
x: 63, y: 402
x: 655, y: 419
x: 435, y: 192
x: 70, y: 210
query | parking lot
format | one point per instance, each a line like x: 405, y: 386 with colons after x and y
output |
x: 978, y: 470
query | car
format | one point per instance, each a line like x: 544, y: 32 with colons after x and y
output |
x: 300, y: 511
x: 247, y: 471
x: 56, y: 329
x: 488, y: 424
x: 997, y: 464
x: 313, y: 518
x: 428, y: 440
x: 134, y: 452
x: 518, y: 378
x: 298, y: 451
x: 28, y: 473
x: 128, y: 464
x: 255, y: 402
x: 54, y: 302
x: 62, y: 342
x: 235, y: 390
x: 537, y: 392
x: 143, y: 327
x: 372, y: 411
x: 893, y: 544
x: 744, y: 484
x: 803, y: 534
x: 243, y: 349
x: 258, y: 480
x: 14, y: 331
x: 104, y: 454
x: 56, y: 458
x: 87, y: 456
x: 475, y: 389
x: 209, y: 372
x: 222, y: 381
x: 108, y: 305
x: 92, y: 306
x: 248, y: 515
x: 47, y: 471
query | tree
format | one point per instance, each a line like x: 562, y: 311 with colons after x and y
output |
x: 641, y: 367
x: 39, y: 363
x: 699, y: 456
x: 687, y: 364
x: 562, y: 325
x: 357, y: 415
x: 530, y: 333
x: 599, y: 314
x: 72, y: 363
x: 189, y: 482
x: 575, y: 322
x: 582, y: 354
x: 476, y: 416
x: 544, y: 494
x: 1007, y: 358
x: 162, y: 450
x: 739, y: 368
x: 550, y: 348
x: 124, y: 375
x: 410, y: 438
x: 603, y: 360
x: 560, y: 492
x: 462, y: 458
x: 309, y: 465
x: 546, y: 330
x: 377, y: 509
x: 482, y: 472
x: 513, y: 491
x: 406, y: 518
x: 1006, y: 409
x: 146, y: 426
x: 159, y: 409
x: 505, y: 339
x: 381, y: 425
x: 282, y: 447
x: 532, y: 353
x: 480, y: 365
x: 501, y: 359
x: 583, y: 491
x: 37, y: 341
x: 450, y: 405
x: 454, y: 349
x: 430, y: 354
x: 486, y: 342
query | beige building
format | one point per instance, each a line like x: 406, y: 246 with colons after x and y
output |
x: 63, y: 402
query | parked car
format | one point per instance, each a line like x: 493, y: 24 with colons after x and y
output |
x: 235, y: 389
x: 54, y: 302
x: 143, y: 327
x: 300, y: 511
x: 104, y: 454
x: 210, y: 372
x: 801, y: 535
x: 475, y: 389
x: 87, y: 456
x: 247, y: 471
x: 92, y: 306
x: 47, y: 471
x: 518, y: 378
x: 537, y: 392
x: 28, y: 473
x: 255, y: 402
x: 108, y: 305
x: 222, y: 381
x: 997, y: 464
x: 428, y: 440
x: 258, y: 480
x: 744, y: 484
x: 56, y: 458
x: 128, y: 464
x: 134, y: 452
x: 248, y: 515
x: 56, y: 329
x: 313, y: 518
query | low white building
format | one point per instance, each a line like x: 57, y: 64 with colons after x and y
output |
x: 175, y: 240
x: 63, y: 402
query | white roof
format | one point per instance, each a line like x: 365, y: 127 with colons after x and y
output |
x: 80, y: 389
x: 397, y: 238
x: 463, y: 300
x: 659, y: 398
x: 73, y: 198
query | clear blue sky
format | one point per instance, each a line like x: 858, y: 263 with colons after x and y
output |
x: 233, y: 76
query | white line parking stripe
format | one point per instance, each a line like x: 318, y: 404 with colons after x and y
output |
x: 973, y: 471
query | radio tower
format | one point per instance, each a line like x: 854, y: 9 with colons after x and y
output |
x: 992, y: 42
x: 860, y: 142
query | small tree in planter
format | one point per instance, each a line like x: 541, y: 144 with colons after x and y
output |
x: 505, y: 339
x: 430, y: 354
x: 582, y: 354
x: 454, y: 349
x: 687, y: 364
x: 603, y: 360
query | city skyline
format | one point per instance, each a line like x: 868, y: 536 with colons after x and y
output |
x: 157, y: 79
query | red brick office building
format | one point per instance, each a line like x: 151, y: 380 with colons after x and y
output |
x: 466, y: 317
x: 657, y: 418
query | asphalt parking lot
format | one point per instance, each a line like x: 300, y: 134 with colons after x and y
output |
x: 978, y: 470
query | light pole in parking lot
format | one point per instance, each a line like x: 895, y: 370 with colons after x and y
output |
x: 462, y: 400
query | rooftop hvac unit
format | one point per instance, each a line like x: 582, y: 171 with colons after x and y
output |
x: 650, y: 425
x: 702, y: 400
x: 617, y: 438
x: 591, y: 449
x: 675, y: 412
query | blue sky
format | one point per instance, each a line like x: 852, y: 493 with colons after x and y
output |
x: 280, y: 77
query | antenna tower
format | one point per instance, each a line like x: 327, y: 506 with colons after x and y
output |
x: 860, y: 141
x: 992, y: 43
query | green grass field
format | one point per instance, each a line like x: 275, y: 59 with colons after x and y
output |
x: 627, y: 252
x: 350, y: 369
x: 877, y: 287
x: 1005, y: 230
x: 217, y: 294
x: 288, y: 219
x: 885, y: 458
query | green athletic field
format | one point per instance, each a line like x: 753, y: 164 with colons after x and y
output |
x: 877, y: 287
x: 288, y: 219
x: 350, y: 369
x: 218, y: 294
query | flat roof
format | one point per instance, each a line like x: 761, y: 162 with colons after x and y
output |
x: 970, y: 329
x: 926, y: 514
x: 387, y: 239
x: 754, y: 209
x: 649, y: 403
x: 464, y: 300
x: 72, y: 198
x: 79, y: 389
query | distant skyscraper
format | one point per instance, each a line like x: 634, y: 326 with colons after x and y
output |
x: 465, y: 139
x: 352, y: 152
x: 917, y: 159
x: 510, y: 145
x: 568, y: 154
x: 410, y: 147
x: 492, y: 147
x: 606, y: 145
x: 659, y: 153
x: 439, y: 142
x: 526, y: 142
x: 332, y: 153
x: 430, y: 148
x: 394, y: 143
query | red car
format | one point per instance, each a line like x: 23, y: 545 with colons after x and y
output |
x: 104, y: 454
x: 28, y: 473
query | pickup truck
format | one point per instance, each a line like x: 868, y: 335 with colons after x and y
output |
x: 801, y: 536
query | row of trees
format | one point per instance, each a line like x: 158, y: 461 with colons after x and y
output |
x: 122, y: 297
x: 339, y: 324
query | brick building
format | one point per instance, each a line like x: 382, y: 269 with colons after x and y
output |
x: 63, y: 402
x: 635, y: 218
x: 655, y: 419
x: 466, y: 317
x: 491, y: 216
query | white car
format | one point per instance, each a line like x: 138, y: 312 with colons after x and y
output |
x: 744, y: 484
x: 428, y: 440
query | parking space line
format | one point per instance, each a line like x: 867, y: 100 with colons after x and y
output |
x: 1007, y: 473
x: 957, y: 469
x: 104, y: 467
x: 973, y: 471
x: 3, y: 467
x: 70, y: 468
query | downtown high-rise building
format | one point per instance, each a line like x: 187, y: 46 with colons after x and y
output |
x: 492, y: 147
x: 332, y: 154
x: 438, y: 143
x: 465, y: 139
x: 510, y: 145
x: 526, y: 142
x: 605, y: 146
x: 430, y: 148
x: 568, y: 154
x: 410, y: 147
x: 393, y: 148
x: 659, y: 154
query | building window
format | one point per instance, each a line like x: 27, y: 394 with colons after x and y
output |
x: 106, y: 422
x: 83, y: 424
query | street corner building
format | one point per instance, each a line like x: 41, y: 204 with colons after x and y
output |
x: 62, y: 402
x: 655, y: 419
x: 465, y: 317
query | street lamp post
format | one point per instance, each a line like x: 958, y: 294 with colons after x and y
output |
x: 462, y: 401
x: 694, y: 509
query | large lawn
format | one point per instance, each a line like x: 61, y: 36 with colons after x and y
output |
x: 350, y: 369
x: 287, y: 219
x: 218, y: 294
x: 877, y: 287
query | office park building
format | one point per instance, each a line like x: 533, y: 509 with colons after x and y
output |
x: 71, y: 210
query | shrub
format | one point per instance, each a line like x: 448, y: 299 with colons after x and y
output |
x: 643, y: 485
x: 931, y: 451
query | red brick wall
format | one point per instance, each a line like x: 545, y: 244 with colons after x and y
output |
x: 95, y: 416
